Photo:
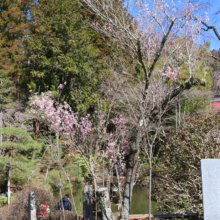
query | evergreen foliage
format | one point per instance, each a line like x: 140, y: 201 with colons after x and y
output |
x: 63, y: 49
x: 17, y: 151
x: 13, y: 27
x: 52, y: 45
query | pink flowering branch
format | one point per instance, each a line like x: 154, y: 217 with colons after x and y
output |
x: 60, y: 117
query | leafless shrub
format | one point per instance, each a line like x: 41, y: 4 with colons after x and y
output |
x: 18, y: 209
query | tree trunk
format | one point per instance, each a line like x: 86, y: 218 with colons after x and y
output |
x: 119, y: 188
x: 7, y: 174
x: 61, y: 202
x: 5, y: 188
x: 96, y: 148
x: 131, y: 167
x: 95, y: 187
x: 1, y: 149
x: 36, y: 136
x: 105, y: 204
x: 9, y: 191
x: 150, y: 183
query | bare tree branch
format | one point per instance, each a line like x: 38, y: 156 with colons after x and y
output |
x: 178, y: 90
x: 208, y: 27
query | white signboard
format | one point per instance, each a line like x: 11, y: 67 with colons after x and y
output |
x: 210, y: 169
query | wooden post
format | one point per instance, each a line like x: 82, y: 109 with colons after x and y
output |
x: 32, y: 206
x: 87, y: 202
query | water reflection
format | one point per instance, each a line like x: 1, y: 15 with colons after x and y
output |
x: 139, y: 203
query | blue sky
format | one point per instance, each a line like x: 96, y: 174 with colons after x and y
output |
x: 214, y: 20
x: 213, y: 6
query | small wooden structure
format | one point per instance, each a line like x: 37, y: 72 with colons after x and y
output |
x: 188, y: 215
x: 216, y: 103
x: 14, y: 187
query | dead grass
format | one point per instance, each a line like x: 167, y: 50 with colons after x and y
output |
x: 18, y: 209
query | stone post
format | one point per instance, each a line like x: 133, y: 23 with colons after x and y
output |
x: 105, y: 204
x: 32, y: 206
x: 87, y: 202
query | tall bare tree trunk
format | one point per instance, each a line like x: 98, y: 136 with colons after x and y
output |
x: 36, y: 135
x: 96, y: 148
x: 9, y: 191
x: 119, y: 187
x: 150, y: 182
x: 7, y: 180
x: 131, y: 167
x: 1, y: 149
x: 95, y: 187
x: 60, y: 183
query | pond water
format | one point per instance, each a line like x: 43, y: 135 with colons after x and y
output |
x: 139, y: 203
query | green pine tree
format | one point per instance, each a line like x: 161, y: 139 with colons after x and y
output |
x: 17, y: 153
x: 13, y: 27
x: 63, y: 48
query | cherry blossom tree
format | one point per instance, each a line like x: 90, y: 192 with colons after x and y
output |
x: 60, y: 117
x: 76, y: 134
x: 158, y: 46
x: 65, y: 123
